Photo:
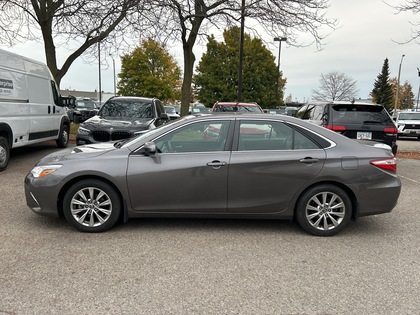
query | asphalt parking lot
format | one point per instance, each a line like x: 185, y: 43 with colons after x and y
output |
x: 190, y: 266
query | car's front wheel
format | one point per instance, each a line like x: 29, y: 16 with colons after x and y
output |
x: 324, y: 210
x: 92, y: 206
x: 63, y: 140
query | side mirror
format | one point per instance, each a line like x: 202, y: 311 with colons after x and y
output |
x: 93, y: 113
x: 68, y: 101
x: 164, y: 116
x: 149, y: 148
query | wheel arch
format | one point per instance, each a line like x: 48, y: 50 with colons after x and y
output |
x: 7, y: 132
x: 65, y: 121
x: 64, y: 189
x: 347, y: 190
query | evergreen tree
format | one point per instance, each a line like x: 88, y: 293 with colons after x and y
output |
x: 382, y: 92
x: 150, y: 71
x: 217, y: 71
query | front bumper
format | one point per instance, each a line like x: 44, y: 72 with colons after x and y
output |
x: 409, y: 132
x: 42, y: 199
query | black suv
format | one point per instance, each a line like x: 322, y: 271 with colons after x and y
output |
x: 83, y: 109
x: 122, y: 117
x: 354, y: 120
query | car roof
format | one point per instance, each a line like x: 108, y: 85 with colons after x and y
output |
x: 236, y: 104
x: 342, y: 103
x: 133, y: 98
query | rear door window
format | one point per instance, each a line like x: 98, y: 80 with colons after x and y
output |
x: 271, y: 135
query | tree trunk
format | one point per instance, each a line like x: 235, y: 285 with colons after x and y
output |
x: 189, y: 60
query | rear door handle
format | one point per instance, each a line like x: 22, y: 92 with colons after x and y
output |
x: 308, y: 160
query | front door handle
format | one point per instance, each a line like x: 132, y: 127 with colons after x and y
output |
x: 216, y: 164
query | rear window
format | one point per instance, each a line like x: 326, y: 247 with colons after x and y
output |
x: 357, y: 113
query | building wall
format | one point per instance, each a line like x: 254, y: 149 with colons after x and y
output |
x: 87, y: 94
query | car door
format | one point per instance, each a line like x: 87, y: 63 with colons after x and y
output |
x: 187, y: 174
x: 273, y: 161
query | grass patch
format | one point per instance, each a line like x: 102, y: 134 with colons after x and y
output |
x: 408, y: 155
x: 73, y: 128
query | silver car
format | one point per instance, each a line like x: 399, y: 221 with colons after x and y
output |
x: 252, y: 166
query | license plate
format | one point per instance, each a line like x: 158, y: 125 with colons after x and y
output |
x: 364, y: 135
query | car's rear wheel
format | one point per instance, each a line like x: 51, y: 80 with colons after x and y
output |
x: 92, y: 206
x: 324, y: 210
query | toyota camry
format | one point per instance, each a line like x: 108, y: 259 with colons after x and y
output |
x: 253, y: 166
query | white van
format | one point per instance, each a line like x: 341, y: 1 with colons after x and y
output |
x: 31, y: 109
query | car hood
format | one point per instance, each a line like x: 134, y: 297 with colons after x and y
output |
x: 80, y: 152
x: 97, y: 122
x: 408, y: 122
x: 85, y: 109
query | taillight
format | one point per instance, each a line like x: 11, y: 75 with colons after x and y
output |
x: 335, y: 127
x: 386, y: 164
x: 391, y: 130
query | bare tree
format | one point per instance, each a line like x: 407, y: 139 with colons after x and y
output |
x: 335, y: 86
x: 188, y: 20
x: 71, y: 23
x: 85, y: 23
x: 412, y: 6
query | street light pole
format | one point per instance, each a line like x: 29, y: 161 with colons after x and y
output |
x: 113, y: 68
x: 100, y: 80
x: 398, y: 87
x: 418, y: 93
x: 278, y: 39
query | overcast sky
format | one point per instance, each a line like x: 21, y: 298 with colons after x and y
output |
x: 368, y: 32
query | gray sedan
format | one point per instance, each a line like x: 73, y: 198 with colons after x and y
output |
x: 220, y: 166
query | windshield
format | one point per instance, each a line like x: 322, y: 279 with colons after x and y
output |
x: 85, y: 104
x: 198, y: 110
x: 170, y: 110
x: 126, y: 108
x: 409, y: 116
x: 147, y: 134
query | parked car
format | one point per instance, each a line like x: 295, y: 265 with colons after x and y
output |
x: 122, y: 117
x: 355, y: 120
x: 199, y: 110
x: 236, y: 107
x: 283, y: 110
x: 31, y: 108
x: 408, y: 124
x: 171, y: 111
x: 83, y: 109
x: 252, y: 166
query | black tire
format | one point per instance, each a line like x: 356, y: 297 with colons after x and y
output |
x: 81, y: 206
x: 4, y: 153
x: 63, y: 140
x: 326, y: 204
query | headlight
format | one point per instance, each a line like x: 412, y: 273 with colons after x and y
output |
x: 83, y: 131
x: 42, y: 171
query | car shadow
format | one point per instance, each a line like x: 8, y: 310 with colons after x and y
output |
x: 206, y: 225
